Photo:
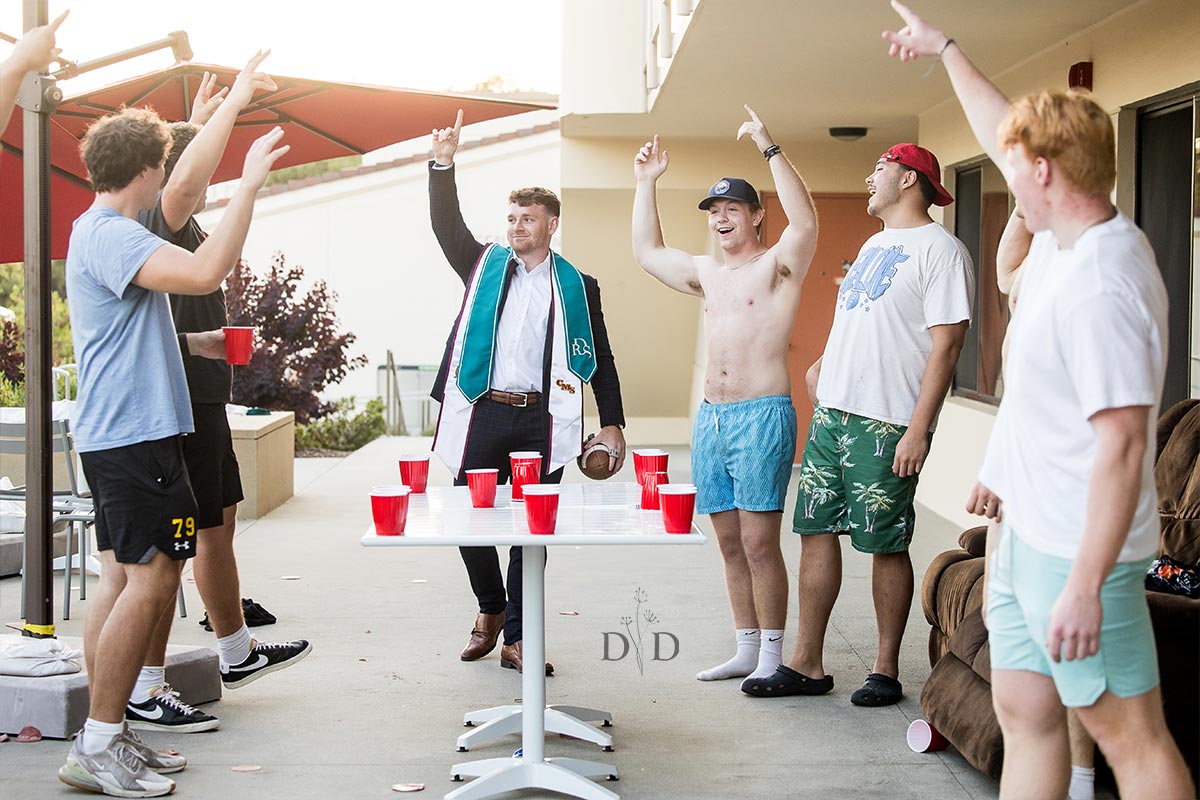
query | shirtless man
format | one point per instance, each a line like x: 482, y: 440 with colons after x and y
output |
x: 745, y: 433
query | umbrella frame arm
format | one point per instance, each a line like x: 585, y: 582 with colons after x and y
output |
x: 177, y: 41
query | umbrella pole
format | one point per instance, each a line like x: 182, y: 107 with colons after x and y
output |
x: 39, y: 475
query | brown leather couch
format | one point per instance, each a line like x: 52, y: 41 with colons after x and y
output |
x: 957, y: 698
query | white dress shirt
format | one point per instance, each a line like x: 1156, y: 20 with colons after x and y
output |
x: 518, y: 362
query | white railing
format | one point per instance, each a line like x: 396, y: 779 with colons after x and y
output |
x: 665, y: 23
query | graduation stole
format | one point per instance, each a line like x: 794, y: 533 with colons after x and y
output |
x: 474, y: 375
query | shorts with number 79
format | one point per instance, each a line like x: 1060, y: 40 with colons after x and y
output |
x: 143, y: 500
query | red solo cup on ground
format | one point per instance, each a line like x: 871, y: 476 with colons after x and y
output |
x: 482, y: 483
x: 389, y: 508
x: 238, y: 340
x: 414, y: 472
x: 541, y: 507
x: 924, y: 738
x: 652, y: 460
x: 650, y: 482
x: 678, y: 503
x: 526, y: 469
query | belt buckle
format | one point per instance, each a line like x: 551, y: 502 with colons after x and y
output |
x: 524, y: 399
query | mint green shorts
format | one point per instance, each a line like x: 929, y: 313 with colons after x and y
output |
x: 1023, y: 585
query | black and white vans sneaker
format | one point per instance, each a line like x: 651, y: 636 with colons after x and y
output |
x: 164, y: 711
x: 265, y: 657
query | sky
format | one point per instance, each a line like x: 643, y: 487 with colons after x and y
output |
x: 435, y: 44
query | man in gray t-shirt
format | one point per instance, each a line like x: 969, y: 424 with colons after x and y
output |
x: 131, y: 412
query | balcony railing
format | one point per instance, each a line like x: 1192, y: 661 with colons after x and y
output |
x: 665, y: 23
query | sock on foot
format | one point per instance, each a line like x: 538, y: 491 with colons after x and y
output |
x: 770, y: 654
x: 1083, y: 783
x: 98, y: 735
x: 743, y: 662
x: 235, y: 648
x: 149, y: 678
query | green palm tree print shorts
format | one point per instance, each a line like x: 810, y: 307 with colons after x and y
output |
x: 847, y: 485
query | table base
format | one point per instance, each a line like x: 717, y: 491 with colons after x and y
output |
x: 569, y: 776
x: 566, y: 720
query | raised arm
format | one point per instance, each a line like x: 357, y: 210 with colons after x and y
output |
x: 984, y: 104
x: 672, y: 267
x: 189, y: 180
x: 1010, y: 255
x: 458, y: 244
x: 798, y: 241
x: 176, y: 271
x: 33, y: 53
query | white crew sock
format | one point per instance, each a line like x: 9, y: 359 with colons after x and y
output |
x: 1083, y: 783
x: 235, y: 648
x: 98, y: 735
x: 148, y: 679
x: 743, y: 662
x: 770, y: 654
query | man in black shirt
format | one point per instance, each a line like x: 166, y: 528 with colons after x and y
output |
x: 517, y: 384
x: 208, y: 453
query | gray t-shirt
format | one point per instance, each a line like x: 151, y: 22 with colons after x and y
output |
x: 131, y: 381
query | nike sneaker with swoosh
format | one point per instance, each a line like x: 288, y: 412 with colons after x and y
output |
x: 117, y: 771
x: 164, y: 711
x: 264, y: 658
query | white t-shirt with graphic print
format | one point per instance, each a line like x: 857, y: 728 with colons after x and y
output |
x: 904, y: 281
x: 1089, y: 334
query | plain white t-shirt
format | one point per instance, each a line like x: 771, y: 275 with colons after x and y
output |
x: 1089, y: 333
x: 904, y: 281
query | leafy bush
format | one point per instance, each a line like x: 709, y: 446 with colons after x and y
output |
x: 12, y: 332
x: 340, y: 431
x: 12, y: 393
x: 300, y: 349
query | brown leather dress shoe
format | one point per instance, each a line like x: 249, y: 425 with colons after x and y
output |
x: 483, y: 636
x: 510, y: 658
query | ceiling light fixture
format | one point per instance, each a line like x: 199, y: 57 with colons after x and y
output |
x: 848, y: 134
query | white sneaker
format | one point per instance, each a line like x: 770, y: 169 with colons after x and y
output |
x: 117, y: 771
x: 160, y: 761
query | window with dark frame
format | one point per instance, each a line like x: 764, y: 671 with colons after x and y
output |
x: 981, y: 208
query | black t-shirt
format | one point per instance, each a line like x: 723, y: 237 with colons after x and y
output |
x: 209, y: 380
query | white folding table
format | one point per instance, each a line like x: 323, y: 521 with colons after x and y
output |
x: 588, y: 514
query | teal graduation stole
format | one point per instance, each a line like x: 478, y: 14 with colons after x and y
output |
x: 479, y: 342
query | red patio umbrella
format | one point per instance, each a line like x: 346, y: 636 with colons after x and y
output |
x: 322, y: 119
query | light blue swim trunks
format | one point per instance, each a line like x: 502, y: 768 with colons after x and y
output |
x: 1023, y: 585
x: 742, y: 454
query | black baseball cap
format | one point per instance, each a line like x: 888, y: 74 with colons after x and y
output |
x: 730, y: 189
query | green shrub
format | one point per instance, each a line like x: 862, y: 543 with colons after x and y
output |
x: 341, y: 431
x: 12, y: 395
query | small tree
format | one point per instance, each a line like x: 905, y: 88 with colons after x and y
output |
x: 300, y: 349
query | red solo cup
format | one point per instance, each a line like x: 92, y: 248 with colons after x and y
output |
x: 650, y: 483
x: 924, y: 738
x: 414, y: 472
x: 389, y: 508
x: 541, y: 507
x: 526, y: 469
x: 482, y: 483
x: 648, y: 461
x: 237, y: 344
x: 678, y: 502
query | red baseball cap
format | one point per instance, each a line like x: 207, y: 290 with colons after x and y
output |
x: 919, y: 159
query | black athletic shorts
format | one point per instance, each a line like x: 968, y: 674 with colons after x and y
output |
x: 211, y: 464
x: 143, y: 500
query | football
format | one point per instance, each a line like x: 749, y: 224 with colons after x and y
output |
x: 593, y: 462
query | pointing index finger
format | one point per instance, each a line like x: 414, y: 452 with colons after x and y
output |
x: 59, y: 21
x: 458, y: 122
x: 750, y: 111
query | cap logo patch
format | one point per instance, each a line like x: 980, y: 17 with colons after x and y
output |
x: 720, y: 187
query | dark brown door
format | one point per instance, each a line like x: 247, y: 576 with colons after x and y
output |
x: 845, y: 225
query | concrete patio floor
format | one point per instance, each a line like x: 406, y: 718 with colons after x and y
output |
x: 380, y: 699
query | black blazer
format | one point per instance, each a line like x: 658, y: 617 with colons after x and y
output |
x: 462, y: 250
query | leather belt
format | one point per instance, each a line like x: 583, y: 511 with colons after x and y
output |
x: 515, y: 399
